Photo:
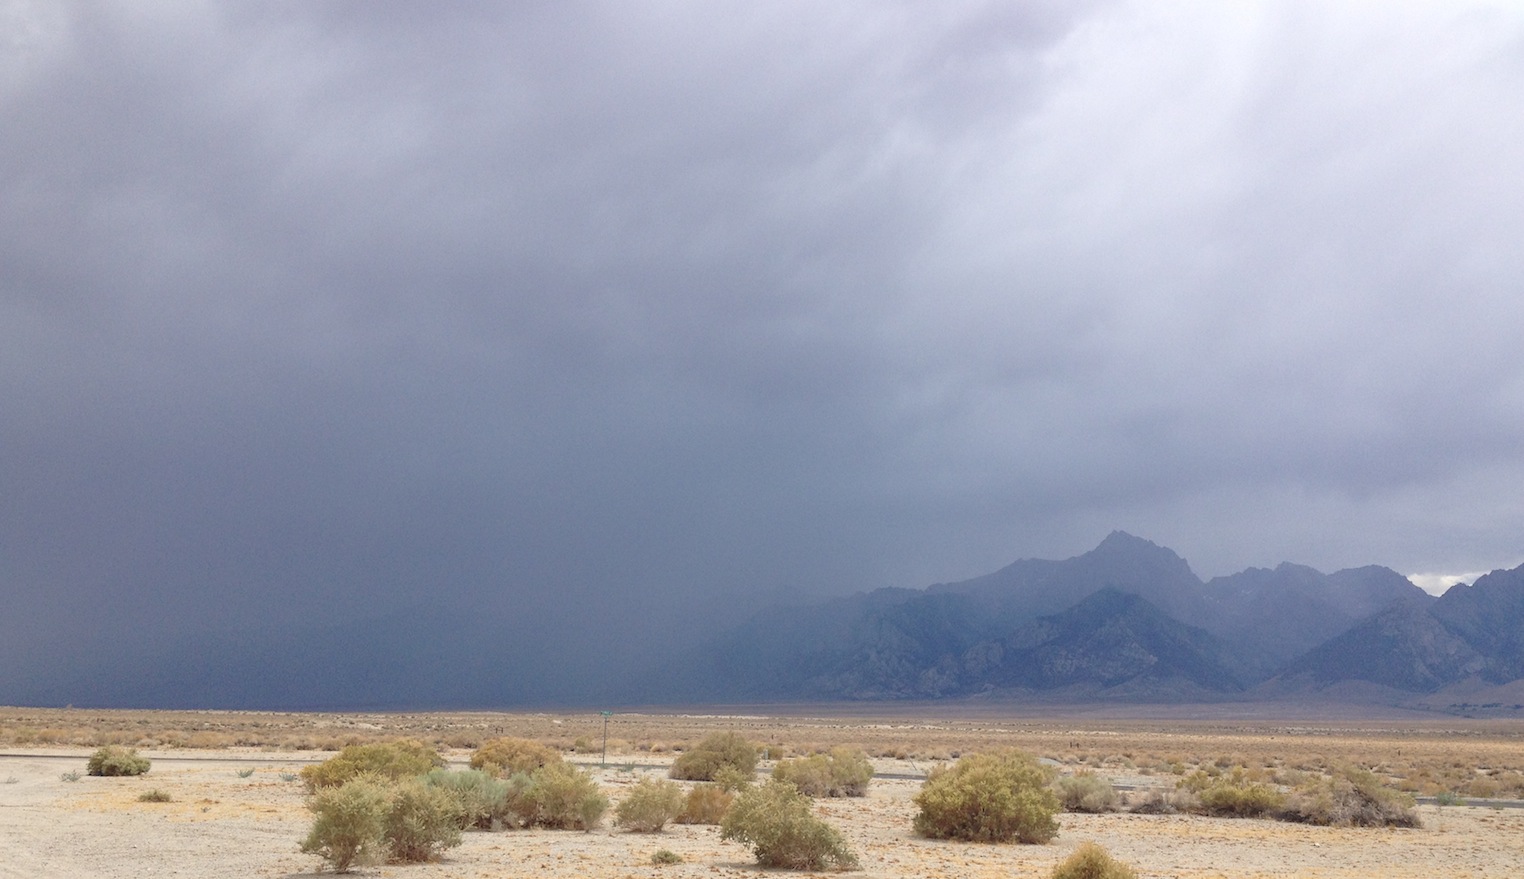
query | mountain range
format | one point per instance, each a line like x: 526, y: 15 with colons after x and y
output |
x: 1129, y: 621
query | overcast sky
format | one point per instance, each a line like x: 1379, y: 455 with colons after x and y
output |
x: 314, y: 309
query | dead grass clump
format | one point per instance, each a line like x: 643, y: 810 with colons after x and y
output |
x: 1164, y: 801
x: 155, y: 796
x: 1091, y: 861
x: 1086, y: 792
x: 1352, y: 798
x: 706, y: 804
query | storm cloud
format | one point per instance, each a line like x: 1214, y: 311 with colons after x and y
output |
x: 606, y: 316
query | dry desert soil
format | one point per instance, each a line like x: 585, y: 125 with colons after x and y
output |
x: 237, y: 808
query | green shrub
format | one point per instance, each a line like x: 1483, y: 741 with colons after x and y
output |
x: 662, y: 857
x: 706, y: 804
x: 1233, y: 795
x: 404, y: 758
x: 507, y: 756
x: 775, y: 819
x: 714, y: 751
x: 480, y: 799
x: 565, y: 798
x: 994, y: 797
x: 649, y: 806
x: 1086, y: 792
x: 116, y: 760
x: 421, y: 821
x: 844, y: 772
x: 1353, y: 797
x: 349, y: 823
x: 1090, y: 861
x: 155, y: 796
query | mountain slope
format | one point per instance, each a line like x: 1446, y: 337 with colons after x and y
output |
x: 1110, y: 642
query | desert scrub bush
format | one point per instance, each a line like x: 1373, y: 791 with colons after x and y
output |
x: 507, y: 756
x: 706, y: 804
x: 155, y: 796
x: 403, y: 758
x: 713, y: 752
x: 480, y: 798
x: 1351, y: 798
x: 421, y: 821
x: 563, y: 797
x: 349, y: 823
x: 1233, y: 795
x: 1090, y: 861
x: 1161, y: 801
x: 776, y: 820
x: 663, y: 857
x: 1086, y: 792
x: 649, y: 806
x: 994, y: 797
x: 844, y: 772
x: 116, y: 760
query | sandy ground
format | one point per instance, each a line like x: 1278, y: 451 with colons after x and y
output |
x: 223, y: 825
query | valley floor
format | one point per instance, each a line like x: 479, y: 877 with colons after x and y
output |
x: 226, y: 820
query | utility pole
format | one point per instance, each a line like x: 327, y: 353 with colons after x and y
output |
x: 605, y: 760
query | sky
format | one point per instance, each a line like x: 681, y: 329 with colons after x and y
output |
x: 603, y: 315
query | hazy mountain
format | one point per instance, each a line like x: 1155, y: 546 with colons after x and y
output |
x: 1404, y: 647
x: 1127, y: 620
x: 1273, y: 616
x: 1110, y: 642
x: 1489, y: 616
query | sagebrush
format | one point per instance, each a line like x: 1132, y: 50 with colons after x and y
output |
x: 402, y: 758
x: 649, y: 806
x: 1352, y: 797
x: 776, y: 820
x: 993, y: 797
x: 1091, y: 861
x: 114, y: 760
x: 706, y: 804
x: 508, y: 756
x: 716, y: 750
x: 1086, y: 792
x: 843, y: 772
x: 421, y: 821
x: 349, y: 823
x: 481, y: 800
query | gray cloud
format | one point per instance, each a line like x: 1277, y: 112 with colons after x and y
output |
x: 591, y: 308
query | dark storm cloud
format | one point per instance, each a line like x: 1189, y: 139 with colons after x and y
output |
x: 315, y: 309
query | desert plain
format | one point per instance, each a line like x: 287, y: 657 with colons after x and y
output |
x: 237, y: 807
